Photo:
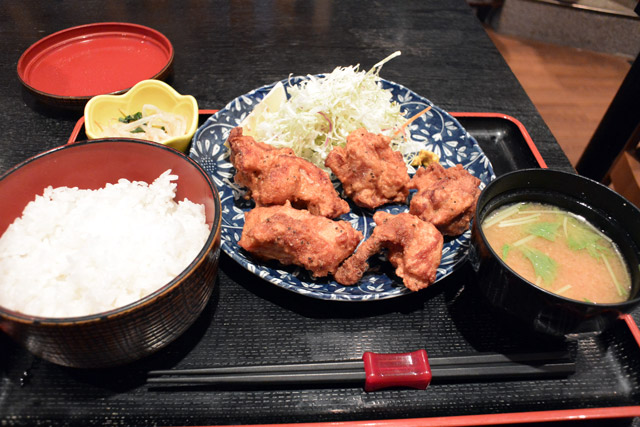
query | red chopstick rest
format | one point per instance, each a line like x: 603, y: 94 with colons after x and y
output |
x: 396, y: 370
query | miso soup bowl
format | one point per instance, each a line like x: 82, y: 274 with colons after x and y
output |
x: 125, y: 334
x: 541, y: 310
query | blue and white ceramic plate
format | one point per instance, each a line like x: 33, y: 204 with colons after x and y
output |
x: 440, y: 133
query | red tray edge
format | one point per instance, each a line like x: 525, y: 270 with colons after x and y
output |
x: 493, y: 419
x: 80, y: 125
x: 532, y: 146
x: 518, y: 123
x: 481, y: 419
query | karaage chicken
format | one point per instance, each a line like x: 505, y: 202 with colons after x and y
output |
x: 276, y: 175
x: 446, y: 197
x: 372, y: 174
x: 413, y: 246
x: 294, y: 236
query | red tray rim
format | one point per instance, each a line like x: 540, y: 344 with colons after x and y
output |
x: 603, y: 413
x: 532, y: 146
x: 480, y: 419
x: 518, y: 123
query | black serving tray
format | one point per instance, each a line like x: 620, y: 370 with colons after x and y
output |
x: 249, y: 321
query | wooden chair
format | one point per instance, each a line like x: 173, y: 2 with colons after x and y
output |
x: 613, y: 155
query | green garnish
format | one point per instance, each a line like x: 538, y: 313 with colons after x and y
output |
x: 580, y: 237
x: 131, y: 118
x: 138, y: 130
x: 543, y: 265
x: 547, y: 230
x: 588, y: 300
x: 505, y: 250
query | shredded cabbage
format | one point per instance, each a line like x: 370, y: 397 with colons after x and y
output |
x: 151, y: 124
x: 322, y: 111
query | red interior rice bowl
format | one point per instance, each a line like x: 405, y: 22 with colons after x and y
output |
x: 84, y: 252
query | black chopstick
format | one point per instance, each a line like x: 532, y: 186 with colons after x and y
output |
x: 352, y: 376
x: 490, y: 358
x: 475, y: 359
x: 378, y: 371
x: 272, y: 379
x: 503, y: 372
x: 291, y: 367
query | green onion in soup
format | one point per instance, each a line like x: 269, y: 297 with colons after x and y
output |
x: 558, y: 251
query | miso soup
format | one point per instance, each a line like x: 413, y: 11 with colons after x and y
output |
x: 558, y: 251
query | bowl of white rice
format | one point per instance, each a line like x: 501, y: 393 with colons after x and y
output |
x: 108, y: 250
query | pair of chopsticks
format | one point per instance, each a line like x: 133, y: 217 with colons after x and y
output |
x: 377, y: 371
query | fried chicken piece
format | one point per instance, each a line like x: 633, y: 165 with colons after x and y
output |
x: 372, y: 174
x: 294, y: 236
x: 446, y: 197
x: 275, y: 175
x: 413, y: 246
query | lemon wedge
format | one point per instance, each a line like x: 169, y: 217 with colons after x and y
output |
x: 271, y: 103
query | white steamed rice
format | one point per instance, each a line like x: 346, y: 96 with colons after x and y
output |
x: 77, y: 252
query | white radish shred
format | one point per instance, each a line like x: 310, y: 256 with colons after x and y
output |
x: 155, y: 125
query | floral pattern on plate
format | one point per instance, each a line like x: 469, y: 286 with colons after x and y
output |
x: 436, y: 129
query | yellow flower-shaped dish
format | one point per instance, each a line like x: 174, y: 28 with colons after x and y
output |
x: 103, y: 110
